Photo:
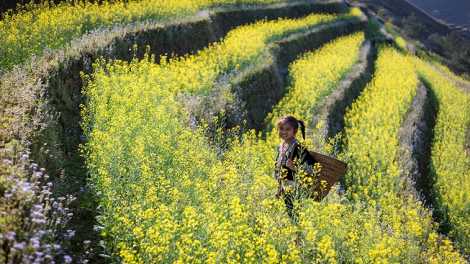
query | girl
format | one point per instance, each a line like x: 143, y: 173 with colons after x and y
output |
x: 292, y: 159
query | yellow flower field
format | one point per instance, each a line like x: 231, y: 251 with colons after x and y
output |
x: 167, y: 168
x: 312, y: 77
x: 450, y: 165
x: 169, y: 192
x: 48, y: 26
x: 166, y: 197
x: 374, y: 177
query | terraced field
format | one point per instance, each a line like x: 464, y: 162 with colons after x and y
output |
x: 168, y: 157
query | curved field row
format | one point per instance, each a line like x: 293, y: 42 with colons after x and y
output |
x: 138, y: 145
x: 413, y: 145
x: 255, y: 90
x: 376, y: 117
x: 374, y: 177
x: 47, y: 26
x: 308, y: 86
x: 195, y: 73
x: 313, y: 77
x: 463, y: 84
x: 450, y: 165
x: 330, y: 112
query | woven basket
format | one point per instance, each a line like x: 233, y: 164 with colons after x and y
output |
x: 330, y: 171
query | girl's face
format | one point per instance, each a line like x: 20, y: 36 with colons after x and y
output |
x: 286, y: 131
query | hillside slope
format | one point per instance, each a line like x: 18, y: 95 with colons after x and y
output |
x: 424, y: 30
x: 456, y: 13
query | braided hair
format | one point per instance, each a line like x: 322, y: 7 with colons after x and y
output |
x: 294, y: 122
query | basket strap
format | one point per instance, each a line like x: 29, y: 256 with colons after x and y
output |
x: 291, y: 155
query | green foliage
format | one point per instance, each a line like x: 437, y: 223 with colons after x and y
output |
x: 457, y: 52
x: 427, y: 56
x: 413, y: 27
x: 384, y: 15
x: 373, y: 28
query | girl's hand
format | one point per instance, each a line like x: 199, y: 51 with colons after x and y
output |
x: 290, y: 164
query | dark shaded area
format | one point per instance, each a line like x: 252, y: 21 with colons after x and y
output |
x: 425, y: 182
x: 399, y: 9
x: 259, y: 90
x: 424, y: 185
x: 454, y: 49
x: 336, y: 118
x: 13, y: 5
x: 413, y: 27
x: 226, y: 20
x: 289, y: 50
x: 412, y: 145
x: 170, y: 41
x: 456, y: 13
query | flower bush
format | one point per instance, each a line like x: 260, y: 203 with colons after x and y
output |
x: 449, y: 161
x: 374, y: 177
